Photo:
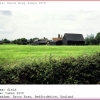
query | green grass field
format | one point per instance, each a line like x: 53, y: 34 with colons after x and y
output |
x: 14, y: 54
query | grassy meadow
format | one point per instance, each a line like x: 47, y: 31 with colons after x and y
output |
x: 14, y: 54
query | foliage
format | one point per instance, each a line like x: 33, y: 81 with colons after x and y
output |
x: 14, y: 41
x: 32, y: 40
x: 82, y: 70
x: 6, y: 41
x: 90, y: 40
x: 21, y: 41
x: 98, y: 38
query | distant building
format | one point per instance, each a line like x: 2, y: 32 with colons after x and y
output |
x: 42, y: 41
x: 67, y: 39
x: 73, y: 39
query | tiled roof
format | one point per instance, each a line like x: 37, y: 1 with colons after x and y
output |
x: 55, y: 39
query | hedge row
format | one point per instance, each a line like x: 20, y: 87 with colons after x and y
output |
x: 82, y: 70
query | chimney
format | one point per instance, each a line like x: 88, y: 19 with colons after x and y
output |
x: 58, y: 35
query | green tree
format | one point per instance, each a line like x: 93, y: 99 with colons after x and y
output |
x: 18, y: 41
x: 21, y: 41
x: 6, y: 41
x: 31, y: 40
x: 97, y: 38
x: 87, y: 40
x: 90, y: 40
x: 14, y: 41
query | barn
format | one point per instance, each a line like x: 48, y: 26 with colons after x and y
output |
x: 73, y: 39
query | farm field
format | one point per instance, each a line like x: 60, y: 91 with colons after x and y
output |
x: 15, y: 54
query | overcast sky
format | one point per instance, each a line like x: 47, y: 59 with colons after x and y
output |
x: 30, y: 24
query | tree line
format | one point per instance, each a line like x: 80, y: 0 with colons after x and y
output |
x: 89, y: 40
x: 20, y: 41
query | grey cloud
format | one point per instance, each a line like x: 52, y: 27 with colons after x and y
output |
x: 6, y: 12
